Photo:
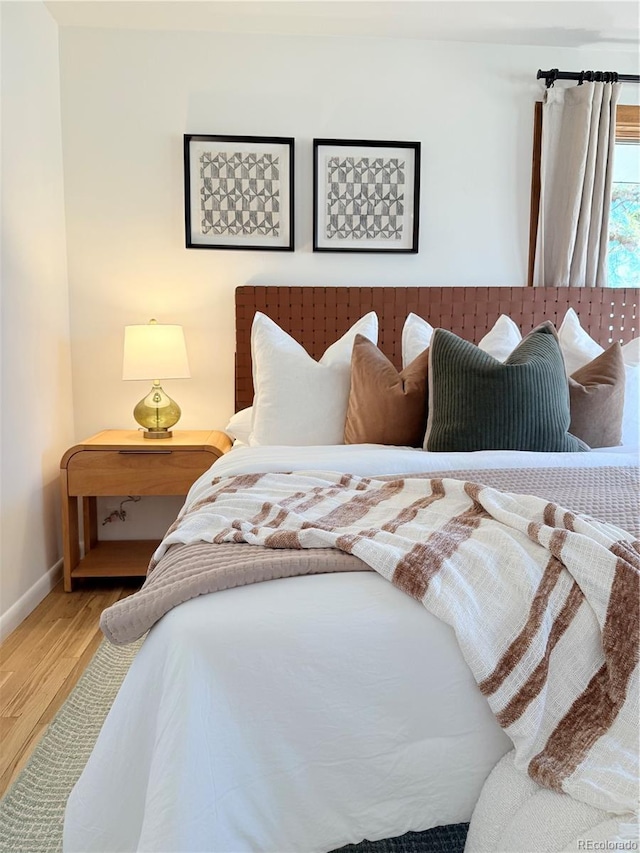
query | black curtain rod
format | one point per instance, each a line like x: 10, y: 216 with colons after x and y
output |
x: 553, y: 74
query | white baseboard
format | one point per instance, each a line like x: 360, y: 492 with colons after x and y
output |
x: 19, y: 611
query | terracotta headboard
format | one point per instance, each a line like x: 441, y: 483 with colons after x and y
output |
x: 318, y: 316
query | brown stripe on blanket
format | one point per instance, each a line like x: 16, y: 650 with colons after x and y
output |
x: 629, y: 551
x: 519, y: 647
x: 521, y: 700
x: 283, y: 539
x: 533, y: 530
x: 235, y: 484
x: 356, y: 508
x: 409, y: 513
x: 294, y: 498
x: 242, y: 481
x: 415, y: 570
x: 258, y: 519
x: 349, y: 541
x: 344, y: 514
x: 261, y: 516
x: 321, y: 493
x: 223, y: 536
x: 595, y: 710
x: 277, y: 521
x: 549, y: 515
x: 549, y: 518
x: 316, y: 495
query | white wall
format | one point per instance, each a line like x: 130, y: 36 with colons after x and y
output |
x: 37, y: 407
x: 127, y: 99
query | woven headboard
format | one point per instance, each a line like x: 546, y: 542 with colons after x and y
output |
x: 318, y: 316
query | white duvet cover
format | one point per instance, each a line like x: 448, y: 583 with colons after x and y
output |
x: 299, y: 714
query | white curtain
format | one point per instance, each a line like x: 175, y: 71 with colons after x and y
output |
x: 578, y: 141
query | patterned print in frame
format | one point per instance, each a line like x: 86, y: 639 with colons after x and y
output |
x: 366, y: 196
x: 239, y: 192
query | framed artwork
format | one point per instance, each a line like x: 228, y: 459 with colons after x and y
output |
x: 366, y: 195
x: 239, y: 192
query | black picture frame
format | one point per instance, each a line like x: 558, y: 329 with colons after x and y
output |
x: 338, y: 220
x: 246, y: 201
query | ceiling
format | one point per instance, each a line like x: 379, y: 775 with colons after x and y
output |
x: 571, y: 23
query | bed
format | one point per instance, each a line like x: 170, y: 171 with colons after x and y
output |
x: 310, y: 712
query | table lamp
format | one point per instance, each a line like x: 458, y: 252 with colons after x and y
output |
x: 155, y: 350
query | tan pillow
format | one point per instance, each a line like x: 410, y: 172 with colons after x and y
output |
x: 386, y: 407
x: 596, y: 393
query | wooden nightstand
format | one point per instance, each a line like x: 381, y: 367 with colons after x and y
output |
x: 122, y: 462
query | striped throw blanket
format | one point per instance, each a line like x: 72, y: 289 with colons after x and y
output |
x: 544, y: 602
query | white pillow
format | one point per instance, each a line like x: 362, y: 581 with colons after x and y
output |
x: 631, y: 353
x: 631, y: 413
x: 500, y: 342
x: 416, y: 337
x: 577, y: 345
x: 579, y: 348
x: 239, y: 426
x: 300, y: 401
x: 502, y: 339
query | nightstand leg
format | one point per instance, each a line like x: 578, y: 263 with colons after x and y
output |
x: 70, y: 532
x: 90, y: 523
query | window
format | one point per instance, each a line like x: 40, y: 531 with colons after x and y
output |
x: 624, y: 219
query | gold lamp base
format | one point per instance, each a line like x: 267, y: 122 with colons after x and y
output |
x: 157, y: 413
x: 157, y: 433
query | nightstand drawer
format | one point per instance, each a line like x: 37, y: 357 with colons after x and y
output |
x: 135, y: 472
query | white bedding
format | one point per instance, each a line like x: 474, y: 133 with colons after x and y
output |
x: 255, y: 719
x: 367, y: 460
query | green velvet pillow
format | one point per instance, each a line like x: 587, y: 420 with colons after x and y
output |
x: 479, y: 403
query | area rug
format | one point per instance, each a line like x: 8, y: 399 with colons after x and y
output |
x: 32, y: 811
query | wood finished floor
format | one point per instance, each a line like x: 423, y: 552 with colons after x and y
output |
x: 40, y: 663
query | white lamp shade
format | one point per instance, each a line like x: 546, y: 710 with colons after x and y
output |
x: 155, y: 351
